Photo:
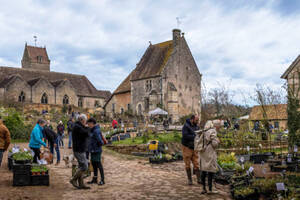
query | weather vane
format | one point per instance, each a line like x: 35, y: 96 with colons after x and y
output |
x: 178, y: 21
x: 35, y: 39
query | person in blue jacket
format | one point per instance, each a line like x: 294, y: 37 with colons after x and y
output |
x: 36, y: 139
x: 95, y: 148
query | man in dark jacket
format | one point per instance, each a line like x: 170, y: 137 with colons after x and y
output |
x: 95, y: 148
x: 52, y: 138
x: 80, y: 136
x: 189, y: 155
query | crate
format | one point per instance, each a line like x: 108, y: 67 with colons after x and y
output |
x: 21, y: 179
x: 39, y: 180
x: 10, y: 163
x: 21, y: 168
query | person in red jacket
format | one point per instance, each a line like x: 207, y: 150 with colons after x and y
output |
x: 114, y: 124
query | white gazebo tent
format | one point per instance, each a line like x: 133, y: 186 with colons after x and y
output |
x: 158, y: 111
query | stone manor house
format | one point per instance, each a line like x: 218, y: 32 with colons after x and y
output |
x: 166, y: 76
x: 35, y: 83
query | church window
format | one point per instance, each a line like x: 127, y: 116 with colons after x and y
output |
x: 22, y: 97
x: 147, y: 103
x: 97, y: 104
x: 122, y: 111
x: 80, y: 102
x: 128, y: 106
x: 65, y: 100
x: 44, y: 99
x: 148, y: 85
x: 40, y: 58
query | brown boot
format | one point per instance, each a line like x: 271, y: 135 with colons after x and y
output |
x: 198, y: 174
x: 189, y: 175
x: 81, y: 182
x: 75, y: 178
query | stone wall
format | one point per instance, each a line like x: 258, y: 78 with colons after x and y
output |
x: 41, y: 87
x: 141, y: 95
x: 65, y: 88
x: 120, y: 101
x: 128, y: 149
x: 14, y: 89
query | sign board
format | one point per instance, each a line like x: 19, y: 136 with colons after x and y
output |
x: 280, y: 186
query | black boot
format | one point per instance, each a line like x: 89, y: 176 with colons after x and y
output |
x: 93, y: 181
x: 198, y: 174
x: 101, y: 182
x: 189, y: 175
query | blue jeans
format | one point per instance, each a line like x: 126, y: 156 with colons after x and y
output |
x: 70, y: 139
x: 56, y: 149
x: 60, y: 140
x: 1, y: 155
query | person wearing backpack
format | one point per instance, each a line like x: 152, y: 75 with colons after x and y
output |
x: 206, y: 146
x: 95, y: 148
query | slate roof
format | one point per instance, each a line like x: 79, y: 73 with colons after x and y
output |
x: 82, y: 85
x: 153, y: 60
x: 125, y: 86
x: 151, y: 64
x: 274, y: 112
x: 105, y: 94
x: 34, y: 52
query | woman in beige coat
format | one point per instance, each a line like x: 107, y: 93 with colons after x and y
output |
x: 206, y: 145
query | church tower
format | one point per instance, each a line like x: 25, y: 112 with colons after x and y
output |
x: 35, y: 58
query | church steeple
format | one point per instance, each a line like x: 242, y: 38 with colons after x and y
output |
x: 35, y: 58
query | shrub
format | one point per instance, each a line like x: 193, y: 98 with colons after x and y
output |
x: 14, y: 121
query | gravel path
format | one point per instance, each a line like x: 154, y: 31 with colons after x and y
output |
x: 126, y: 178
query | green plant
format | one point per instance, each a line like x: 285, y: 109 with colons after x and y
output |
x: 245, y: 191
x: 227, y: 161
x: 21, y: 156
x: 14, y: 121
x: 39, y: 168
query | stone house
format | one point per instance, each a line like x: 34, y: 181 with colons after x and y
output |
x: 35, y: 83
x: 166, y: 76
x: 292, y: 76
x: 276, y: 115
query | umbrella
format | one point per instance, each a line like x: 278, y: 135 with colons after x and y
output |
x: 158, y: 111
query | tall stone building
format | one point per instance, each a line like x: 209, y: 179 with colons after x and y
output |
x: 166, y: 76
x: 35, y: 83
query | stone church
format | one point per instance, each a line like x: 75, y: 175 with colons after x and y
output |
x: 34, y: 83
x: 167, y: 76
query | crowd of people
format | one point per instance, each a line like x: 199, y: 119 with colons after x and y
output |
x: 86, y: 140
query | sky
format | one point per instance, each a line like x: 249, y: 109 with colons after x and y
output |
x: 236, y: 43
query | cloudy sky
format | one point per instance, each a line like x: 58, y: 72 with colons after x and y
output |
x: 238, y: 43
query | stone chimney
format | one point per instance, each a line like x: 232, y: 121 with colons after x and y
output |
x: 176, y: 36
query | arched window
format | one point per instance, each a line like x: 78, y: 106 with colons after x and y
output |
x: 66, y: 100
x: 44, y: 99
x: 80, y: 102
x: 22, y: 97
x: 122, y: 111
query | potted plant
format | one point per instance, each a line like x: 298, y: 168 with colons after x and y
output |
x: 245, y: 193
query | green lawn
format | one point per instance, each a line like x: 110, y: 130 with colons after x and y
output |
x: 162, y: 137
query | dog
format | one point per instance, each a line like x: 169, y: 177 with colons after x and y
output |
x: 69, y: 160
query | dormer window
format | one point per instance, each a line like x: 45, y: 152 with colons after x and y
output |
x: 39, y: 59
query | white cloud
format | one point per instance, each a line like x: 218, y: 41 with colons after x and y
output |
x: 105, y: 39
